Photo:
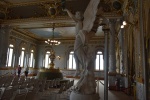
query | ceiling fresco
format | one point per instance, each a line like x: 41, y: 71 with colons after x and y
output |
x: 33, y: 17
x: 61, y: 32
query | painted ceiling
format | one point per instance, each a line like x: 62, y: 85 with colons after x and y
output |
x: 32, y: 17
x: 61, y: 32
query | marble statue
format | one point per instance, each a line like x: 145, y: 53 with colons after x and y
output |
x: 85, y: 29
x: 78, y: 18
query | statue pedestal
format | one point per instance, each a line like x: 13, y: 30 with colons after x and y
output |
x: 49, y: 74
x: 77, y: 96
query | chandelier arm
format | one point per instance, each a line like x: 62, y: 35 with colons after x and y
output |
x: 53, y: 30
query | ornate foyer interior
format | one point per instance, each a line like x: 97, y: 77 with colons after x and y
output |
x: 25, y: 25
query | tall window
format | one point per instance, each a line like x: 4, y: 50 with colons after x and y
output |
x: 72, y: 64
x: 47, y: 59
x: 99, y: 63
x: 31, y: 59
x: 10, y: 56
x: 21, y: 58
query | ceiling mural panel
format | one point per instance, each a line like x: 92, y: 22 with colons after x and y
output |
x: 45, y: 32
x: 26, y: 12
x: 60, y: 32
x: 34, y: 17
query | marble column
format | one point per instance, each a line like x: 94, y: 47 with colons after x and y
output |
x: 17, y: 53
x: 121, y: 43
x: 124, y: 80
x: 112, y: 54
x: 106, y: 62
x: 4, y: 38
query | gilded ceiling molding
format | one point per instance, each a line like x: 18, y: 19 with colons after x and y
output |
x: 41, y: 20
x: 38, y: 2
x: 46, y: 25
x: 95, y: 41
x: 111, y: 8
x: 28, y: 33
x: 112, y: 15
x: 23, y: 37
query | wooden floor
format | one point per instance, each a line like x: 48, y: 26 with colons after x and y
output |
x: 112, y: 95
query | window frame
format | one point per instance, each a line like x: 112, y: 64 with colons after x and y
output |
x: 99, y: 54
x: 20, y: 57
x: 12, y: 62
x: 73, y: 67
x: 47, y: 53
x: 31, y: 64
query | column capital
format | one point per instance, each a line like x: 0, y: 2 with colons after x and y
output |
x: 105, y: 28
x: 112, y: 21
x: 6, y: 28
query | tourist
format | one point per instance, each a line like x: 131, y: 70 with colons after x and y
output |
x: 19, y: 70
x: 26, y: 71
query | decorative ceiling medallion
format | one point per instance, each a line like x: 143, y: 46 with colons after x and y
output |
x: 56, y: 7
x: 117, y: 5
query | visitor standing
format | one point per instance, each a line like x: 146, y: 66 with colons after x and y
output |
x: 19, y: 70
x: 26, y: 71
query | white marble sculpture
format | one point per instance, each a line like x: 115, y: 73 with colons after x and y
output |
x: 84, y: 31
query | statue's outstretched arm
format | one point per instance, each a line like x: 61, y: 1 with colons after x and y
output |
x: 71, y: 15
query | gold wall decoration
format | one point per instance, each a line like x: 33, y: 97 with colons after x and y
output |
x: 53, y: 8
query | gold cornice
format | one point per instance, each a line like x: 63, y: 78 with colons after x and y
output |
x: 27, y: 33
x: 32, y: 3
x: 112, y: 15
x: 46, y: 25
x: 94, y: 40
x: 20, y: 35
x: 28, y: 22
x: 46, y: 21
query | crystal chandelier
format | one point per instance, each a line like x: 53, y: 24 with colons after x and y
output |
x: 52, y: 41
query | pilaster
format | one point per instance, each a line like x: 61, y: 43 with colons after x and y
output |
x: 4, y: 38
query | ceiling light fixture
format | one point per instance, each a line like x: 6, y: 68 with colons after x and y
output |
x: 52, y: 41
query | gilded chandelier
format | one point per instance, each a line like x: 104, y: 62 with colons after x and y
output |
x: 52, y: 41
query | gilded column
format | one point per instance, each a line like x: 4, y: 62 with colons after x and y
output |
x: 106, y: 63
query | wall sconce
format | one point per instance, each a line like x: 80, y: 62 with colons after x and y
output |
x: 58, y: 57
x: 124, y: 23
x: 122, y: 26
